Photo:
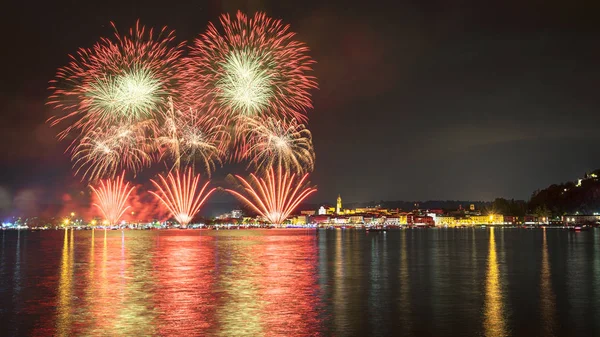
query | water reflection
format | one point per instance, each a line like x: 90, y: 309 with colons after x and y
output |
x: 289, y: 285
x: 17, y: 271
x: 494, y: 322
x: 265, y: 283
x: 64, y: 314
x: 547, y: 299
x: 241, y: 303
x: 182, y: 267
x: 405, y: 304
x: 339, y: 295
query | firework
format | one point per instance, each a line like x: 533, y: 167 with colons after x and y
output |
x: 273, y: 142
x: 275, y: 196
x: 112, y: 195
x: 119, y: 81
x: 102, y: 152
x: 179, y: 194
x: 253, y: 67
x: 191, y: 137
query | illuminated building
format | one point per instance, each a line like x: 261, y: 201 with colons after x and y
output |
x: 369, y: 210
x: 452, y: 221
x: 580, y: 219
x: 356, y: 219
x: 338, y: 207
x: 449, y: 221
x: 419, y: 220
x: 299, y: 220
x: 392, y: 221
x: 491, y: 219
x: 320, y: 219
x: 309, y: 213
x: 340, y: 220
x: 322, y: 210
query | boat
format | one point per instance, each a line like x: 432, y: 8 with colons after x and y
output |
x: 579, y: 228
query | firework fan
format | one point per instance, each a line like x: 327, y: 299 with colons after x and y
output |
x: 252, y: 67
x: 272, y: 142
x: 112, y: 198
x: 181, y: 194
x: 120, y: 81
x: 190, y: 137
x: 275, y: 196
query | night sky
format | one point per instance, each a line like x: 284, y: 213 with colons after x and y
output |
x: 418, y: 100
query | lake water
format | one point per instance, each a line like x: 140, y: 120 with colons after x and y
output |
x: 434, y: 282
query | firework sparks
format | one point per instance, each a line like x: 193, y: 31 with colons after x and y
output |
x: 273, y: 142
x: 274, y: 197
x: 123, y: 80
x: 129, y: 97
x: 189, y: 137
x: 179, y: 194
x: 252, y: 68
x: 102, y: 152
x: 112, y: 198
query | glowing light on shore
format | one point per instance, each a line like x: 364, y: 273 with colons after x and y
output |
x: 180, y: 195
x: 112, y: 196
x: 274, y: 197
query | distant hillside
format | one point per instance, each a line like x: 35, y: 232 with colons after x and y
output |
x: 581, y: 196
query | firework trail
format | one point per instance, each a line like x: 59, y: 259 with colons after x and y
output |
x: 191, y: 137
x: 252, y: 67
x: 102, y: 152
x: 272, y: 142
x: 112, y: 195
x: 274, y: 197
x: 179, y: 194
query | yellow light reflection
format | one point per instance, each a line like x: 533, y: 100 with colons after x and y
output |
x: 548, y: 303
x: 64, y: 318
x: 339, y: 296
x: 494, y: 322
x: 241, y: 279
x: 405, y: 306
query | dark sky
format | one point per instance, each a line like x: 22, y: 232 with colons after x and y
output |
x: 418, y: 99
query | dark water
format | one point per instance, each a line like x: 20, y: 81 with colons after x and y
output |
x: 444, y: 282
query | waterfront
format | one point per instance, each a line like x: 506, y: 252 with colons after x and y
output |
x: 424, y: 282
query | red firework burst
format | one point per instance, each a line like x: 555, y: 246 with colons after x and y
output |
x: 252, y: 67
x: 120, y: 80
x: 179, y: 194
x: 274, y: 197
x: 112, y: 195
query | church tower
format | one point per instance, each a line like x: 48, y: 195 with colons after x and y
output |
x: 338, y: 207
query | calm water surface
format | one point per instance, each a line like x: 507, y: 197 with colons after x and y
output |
x: 439, y: 282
